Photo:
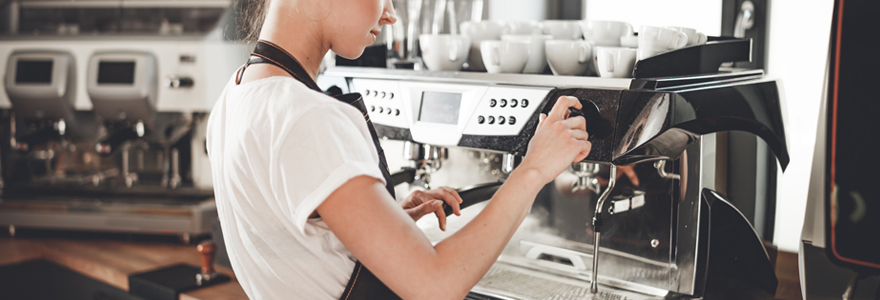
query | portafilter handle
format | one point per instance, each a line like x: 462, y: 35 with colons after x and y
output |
x: 118, y: 136
x: 474, y: 194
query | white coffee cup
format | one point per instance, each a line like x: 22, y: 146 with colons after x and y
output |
x: 504, y: 56
x: 478, y: 32
x: 654, y: 40
x: 569, y: 58
x: 694, y: 37
x: 444, y: 52
x: 537, y: 58
x: 629, y: 41
x: 616, y: 62
x: 605, y: 33
x: 563, y: 29
x: 522, y: 27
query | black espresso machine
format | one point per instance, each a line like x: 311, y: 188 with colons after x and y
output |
x: 639, y: 214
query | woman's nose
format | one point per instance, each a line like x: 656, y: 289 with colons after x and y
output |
x: 389, y: 16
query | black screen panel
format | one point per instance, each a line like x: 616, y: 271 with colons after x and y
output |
x: 33, y: 71
x: 853, y: 201
x: 116, y: 72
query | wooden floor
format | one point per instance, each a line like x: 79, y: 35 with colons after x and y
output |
x: 112, y: 261
x: 789, y: 287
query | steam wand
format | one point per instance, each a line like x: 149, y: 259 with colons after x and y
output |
x: 597, y: 228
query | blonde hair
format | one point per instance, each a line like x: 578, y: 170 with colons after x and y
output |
x: 251, y: 15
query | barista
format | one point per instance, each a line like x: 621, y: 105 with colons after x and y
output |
x: 302, y: 190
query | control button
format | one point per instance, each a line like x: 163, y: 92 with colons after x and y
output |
x: 396, y: 112
x: 388, y: 110
x: 491, y: 120
x: 383, y: 94
x: 511, y: 120
x: 503, y: 102
x: 481, y: 119
x: 500, y: 120
x: 372, y: 108
x: 492, y: 103
x: 513, y: 102
x: 390, y: 95
x: 368, y: 92
x: 381, y: 109
x: 523, y: 103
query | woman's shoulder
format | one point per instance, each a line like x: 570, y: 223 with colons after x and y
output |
x: 283, y: 95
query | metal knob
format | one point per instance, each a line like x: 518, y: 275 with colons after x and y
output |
x: 176, y: 82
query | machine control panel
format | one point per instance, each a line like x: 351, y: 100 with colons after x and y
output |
x: 440, y: 113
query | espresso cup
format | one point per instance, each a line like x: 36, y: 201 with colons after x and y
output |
x: 522, y: 27
x: 616, y: 62
x: 569, y: 58
x: 444, y: 52
x: 605, y: 33
x: 655, y: 40
x: 504, y: 56
x: 694, y: 37
x: 537, y: 59
x: 478, y: 32
x: 562, y: 29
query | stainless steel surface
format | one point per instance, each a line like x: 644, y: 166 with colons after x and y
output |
x: 660, y: 165
x: 480, y: 78
x: 586, y: 177
x: 597, y: 217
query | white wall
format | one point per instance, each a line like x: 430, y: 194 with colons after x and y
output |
x: 517, y: 10
x: 703, y: 15
x: 798, y: 49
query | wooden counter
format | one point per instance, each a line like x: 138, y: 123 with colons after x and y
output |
x: 112, y: 261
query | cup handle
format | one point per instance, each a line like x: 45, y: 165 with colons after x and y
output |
x: 453, y: 51
x: 680, y: 40
x: 584, y: 53
x: 702, y: 38
x: 496, y: 57
x: 628, y: 30
x: 609, y: 64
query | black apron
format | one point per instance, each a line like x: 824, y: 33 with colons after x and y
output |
x: 363, y: 284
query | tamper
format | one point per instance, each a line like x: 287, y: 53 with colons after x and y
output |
x: 207, y: 249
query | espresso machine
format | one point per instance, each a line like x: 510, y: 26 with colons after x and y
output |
x: 639, y: 217
x: 104, y: 110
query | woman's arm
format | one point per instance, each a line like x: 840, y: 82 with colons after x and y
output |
x: 386, y: 240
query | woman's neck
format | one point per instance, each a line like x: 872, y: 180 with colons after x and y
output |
x: 297, y: 32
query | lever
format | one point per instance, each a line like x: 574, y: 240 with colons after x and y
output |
x: 474, y: 194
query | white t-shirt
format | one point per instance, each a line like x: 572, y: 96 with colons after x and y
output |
x: 277, y: 150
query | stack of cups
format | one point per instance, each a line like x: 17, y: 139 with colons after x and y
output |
x: 611, y: 58
x: 566, y: 53
x: 506, y: 46
x: 444, y: 52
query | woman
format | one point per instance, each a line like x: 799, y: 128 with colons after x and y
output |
x: 301, y: 187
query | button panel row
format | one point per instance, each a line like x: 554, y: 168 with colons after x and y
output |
x: 379, y: 94
x: 523, y: 103
x: 500, y: 120
x: 384, y: 110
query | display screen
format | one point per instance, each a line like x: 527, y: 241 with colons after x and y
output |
x: 853, y: 205
x: 33, y: 71
x: 440, y: 107
x: 116, y: 72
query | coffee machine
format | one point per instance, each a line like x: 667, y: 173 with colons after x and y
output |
x: 104, y: 110
x: 638, y: 218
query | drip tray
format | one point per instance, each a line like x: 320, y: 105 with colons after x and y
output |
x: 505, y: 281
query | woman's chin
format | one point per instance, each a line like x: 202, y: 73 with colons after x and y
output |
x: 350, y: 53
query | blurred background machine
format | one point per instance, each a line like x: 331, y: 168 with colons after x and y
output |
x: 104, y: 106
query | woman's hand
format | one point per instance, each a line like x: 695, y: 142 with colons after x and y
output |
x: 421, y: 203
x: 558, y: 141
